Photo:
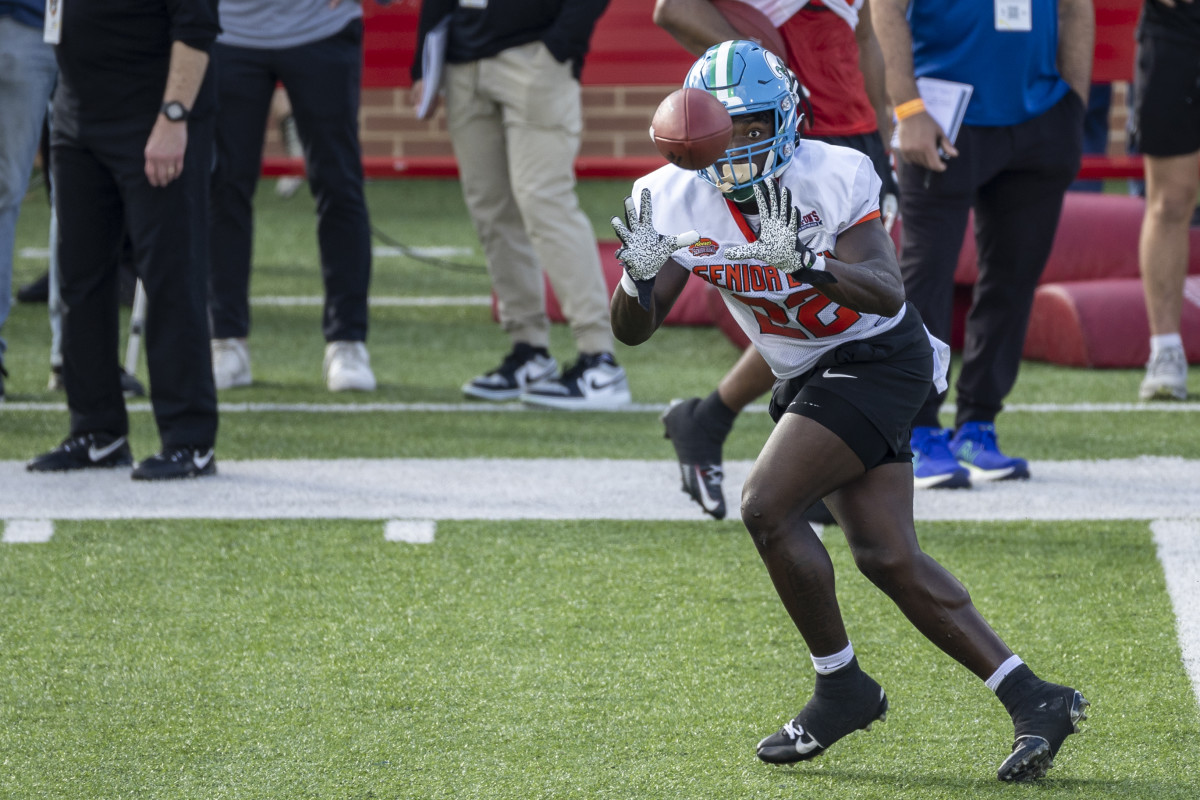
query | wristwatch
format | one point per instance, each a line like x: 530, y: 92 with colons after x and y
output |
x: 175, y: 111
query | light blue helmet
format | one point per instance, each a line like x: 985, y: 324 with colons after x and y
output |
x: 748, y: 79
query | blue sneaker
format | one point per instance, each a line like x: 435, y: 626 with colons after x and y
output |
x: 974, y: 445
x: 934, y: 466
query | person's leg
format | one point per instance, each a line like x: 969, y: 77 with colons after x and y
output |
x: 698, y: 428
x: 934, y: 220
x: 1166, y: 127
x: 245, y: 83
x: 933, y: 213
x: 27, y: 76
x: 323, y: 81
x: 543, y: 118
x: 478, y: 135
x: 875, y: 512
x: 87, y: 203
x: 168, y: 230
x: 802, y: 462
x: 885, y: 549
x: 1171, y: 186
x: 1016, y: 216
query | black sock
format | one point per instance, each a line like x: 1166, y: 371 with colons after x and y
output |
x: 1017, y: 686
x: 716, y: 417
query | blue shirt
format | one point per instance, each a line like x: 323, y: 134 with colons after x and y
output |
x: 1015, y: 73
x: 27, y: 12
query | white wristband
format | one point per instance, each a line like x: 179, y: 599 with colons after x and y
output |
x: 818, y: 263
x: 628, y: 285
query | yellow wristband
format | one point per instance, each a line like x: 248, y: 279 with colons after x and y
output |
x: 906, y: 110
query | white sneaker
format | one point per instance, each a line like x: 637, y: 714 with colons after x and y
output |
x: 231, y: 363
x: 1166, y: 376
x: 348, y: 367
x: 593, y: 383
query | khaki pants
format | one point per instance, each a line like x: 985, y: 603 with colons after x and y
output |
x: 515, y: 122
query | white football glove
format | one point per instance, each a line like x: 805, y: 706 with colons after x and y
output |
x: 778, y: 241
x: 644, y: 250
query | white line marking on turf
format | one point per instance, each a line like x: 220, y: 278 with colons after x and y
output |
x: 386, y: 251
x: 1178, y: 543
x: 27, y: 531
x: 379, y: 251
x: 405, y: 302
x: 631, y: 408
x: 412, y: 531
x: 412, y: 488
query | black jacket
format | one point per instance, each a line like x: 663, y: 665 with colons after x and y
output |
x: 114, y: 56
x: 565, y: 26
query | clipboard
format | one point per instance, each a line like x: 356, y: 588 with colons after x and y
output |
x: 945, y: 101
x: 433, y: 62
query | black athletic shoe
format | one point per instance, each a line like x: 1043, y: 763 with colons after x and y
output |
x: 87, y: 451
x: 1043, y: 721
x: 175, y: 463
x: 819, y: 513
x: 699, y: 454
x: 3, y: 375
x: 842, y: 703
x: 36, y: 291
x: 523, y: 367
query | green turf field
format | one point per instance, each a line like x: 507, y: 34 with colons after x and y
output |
x: 538, y: 659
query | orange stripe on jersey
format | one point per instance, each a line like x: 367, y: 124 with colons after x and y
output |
x: 873, y: 215
x: 740, y: 219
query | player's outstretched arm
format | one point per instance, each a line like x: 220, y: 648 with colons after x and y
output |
x: 633, y: 324
x: 868, y: 277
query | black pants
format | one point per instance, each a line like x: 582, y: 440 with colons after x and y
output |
x: 101, y: 191
x: 323, y: 82
x: 1015, y: 178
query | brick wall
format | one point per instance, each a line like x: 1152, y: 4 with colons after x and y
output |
x: 616, y: 119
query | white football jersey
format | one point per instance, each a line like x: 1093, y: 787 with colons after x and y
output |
x: 790, y: 323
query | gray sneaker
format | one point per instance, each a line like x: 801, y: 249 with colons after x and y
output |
x: 1166, y: 376
x: 525, y: 366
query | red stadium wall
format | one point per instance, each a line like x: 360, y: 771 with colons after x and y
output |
x: 632, y: 65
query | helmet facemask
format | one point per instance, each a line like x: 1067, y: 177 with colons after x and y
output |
x: 748, y: 79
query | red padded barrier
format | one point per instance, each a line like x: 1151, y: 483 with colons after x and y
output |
x: 692, y: 307
x: 1097, y: 237
x: 1102, y: 323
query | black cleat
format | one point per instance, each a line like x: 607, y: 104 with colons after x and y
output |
x: 703, y: 483
x: 1042, y: 723
x: 699, y: 454
x: 819, y: 514
x: 86, y: 451
x: 842, y: 703
x: 175, y: 463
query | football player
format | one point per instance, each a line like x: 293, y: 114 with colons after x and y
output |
x: 789, y: 231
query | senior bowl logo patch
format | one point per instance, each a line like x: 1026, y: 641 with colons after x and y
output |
x: 703, y: 247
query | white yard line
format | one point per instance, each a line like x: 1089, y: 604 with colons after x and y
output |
x: 1178, y: 543
x: 403, y: 488
x: 232, y: 407
x: 287, y: 300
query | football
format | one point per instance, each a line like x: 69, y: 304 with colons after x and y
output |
x: 753, y: 24
x: 691, y: 128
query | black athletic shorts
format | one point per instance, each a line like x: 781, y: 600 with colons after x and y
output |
x: 867, y: 392
x: 1166, y: 112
